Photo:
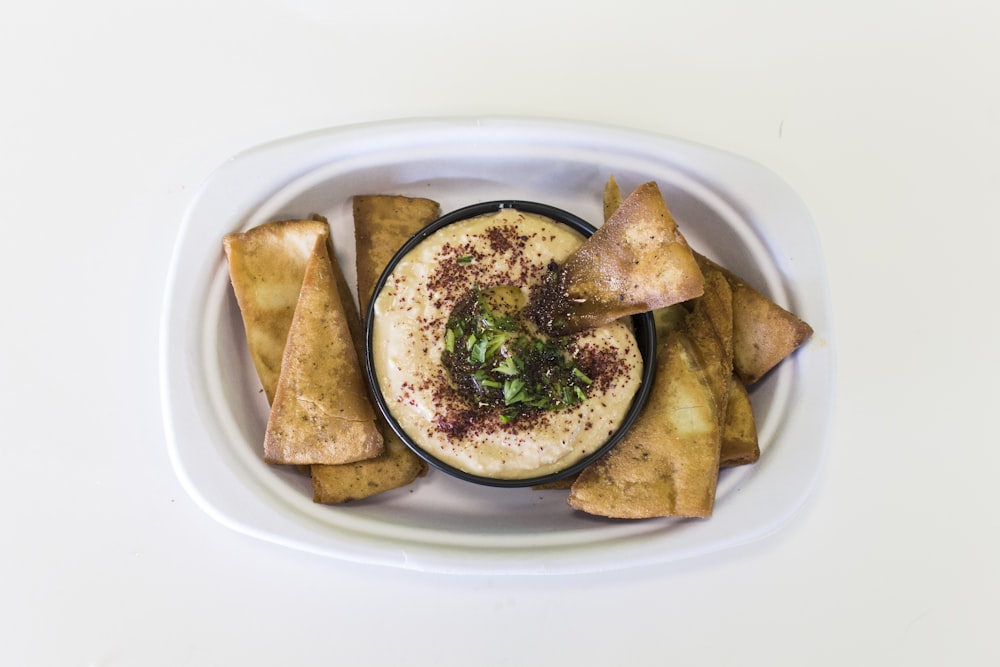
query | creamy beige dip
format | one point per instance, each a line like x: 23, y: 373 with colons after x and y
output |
x: 508, y: 247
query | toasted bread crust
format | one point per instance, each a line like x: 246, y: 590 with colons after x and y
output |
x: 382, y: 224
x: 637, y: 261
x: 321, y: 412
x: 266, y: 267
x: 764, y: 333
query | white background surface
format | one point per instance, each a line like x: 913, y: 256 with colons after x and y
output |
x: 883, y: 116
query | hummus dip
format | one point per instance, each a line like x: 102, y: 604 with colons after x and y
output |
x: 409, y: 331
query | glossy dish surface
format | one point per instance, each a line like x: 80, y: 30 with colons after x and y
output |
x: 729, y: 208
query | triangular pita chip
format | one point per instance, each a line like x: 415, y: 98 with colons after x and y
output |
x: 739, y: 434
x: 668, y: 462
x: 709, y: 326
x: 321, y: 412
x: 612, y: 197
x: 396, y: 466
x: 635, y: 262
x: 382, y: 224
x: 764, y: 333
x: 266, y: 266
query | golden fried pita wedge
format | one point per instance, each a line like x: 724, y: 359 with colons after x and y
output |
x: 266, y: 266
x: 764, y: 333
x: 705, y: 325
x: 636, y: 261
x: 670, y: 319
x: 382, y: 224
x: 396, y: 466
x: 739, y: 433
x: 709, y: 325
x: 321, y: 412
x: 612, y: 197
x: 558, y: 485
x: 668, y: 462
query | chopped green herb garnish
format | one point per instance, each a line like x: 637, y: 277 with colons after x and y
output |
x: 465, y: 259
x: 507, y: 367
x: 505, y: 364
x: 513, y: 391
x: 477, y: 353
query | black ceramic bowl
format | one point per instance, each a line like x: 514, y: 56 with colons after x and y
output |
x: 643, y: 325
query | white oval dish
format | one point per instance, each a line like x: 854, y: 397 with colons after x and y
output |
x: 733, y: 210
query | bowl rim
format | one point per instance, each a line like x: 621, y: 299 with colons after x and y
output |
x: 644, y: 328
